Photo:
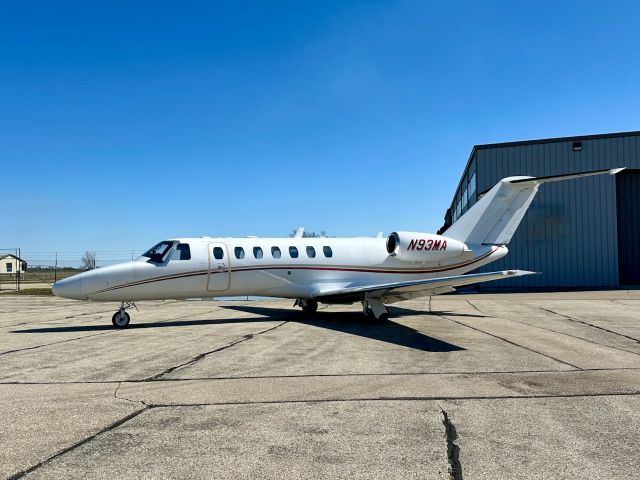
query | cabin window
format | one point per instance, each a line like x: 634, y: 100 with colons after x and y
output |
x: 257, y: 252
x: 275, y: 252
x: 218, y: 253
x: 311, y: 252
x: 239, y: 251
x: 327, y: 251
x: 182, y: 252
x: 293, y: 252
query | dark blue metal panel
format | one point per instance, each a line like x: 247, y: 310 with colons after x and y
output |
x: 570, y: 233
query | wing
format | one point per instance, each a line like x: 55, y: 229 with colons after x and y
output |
x: 397, y: 291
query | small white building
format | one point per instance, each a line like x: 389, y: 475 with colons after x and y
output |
x: 12, y: 264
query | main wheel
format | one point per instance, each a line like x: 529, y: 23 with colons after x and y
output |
x: 310, y: 307
x: 120, y: 319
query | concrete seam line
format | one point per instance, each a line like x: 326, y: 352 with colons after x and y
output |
x: 391, y: 399
x: 201, y: 356
x: 568, y: 334
x: 590, y: 324
x: 321, y: 375
x: 510, y: 342
x: 54, y: 343
x: 453, y: 449
x: 108, y: 428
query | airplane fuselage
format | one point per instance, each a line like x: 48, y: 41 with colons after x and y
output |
x: 273, y: 267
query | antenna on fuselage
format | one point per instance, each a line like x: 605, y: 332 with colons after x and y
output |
x: 299, y: 232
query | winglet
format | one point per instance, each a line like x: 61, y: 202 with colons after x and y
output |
x: 613, y: 171
x: 519, y: 273
x: 299, y: 232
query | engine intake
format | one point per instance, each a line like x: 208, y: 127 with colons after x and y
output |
x: 423, y: 247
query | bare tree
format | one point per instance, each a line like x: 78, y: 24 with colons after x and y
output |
x: 88, y: 260
x: 310, y: 234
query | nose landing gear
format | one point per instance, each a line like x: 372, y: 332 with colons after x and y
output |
x: 121, y: 318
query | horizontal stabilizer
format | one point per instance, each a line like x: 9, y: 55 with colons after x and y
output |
x: 567, y: 176
x: 396, y: 291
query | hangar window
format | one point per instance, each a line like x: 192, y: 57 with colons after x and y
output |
x: 239, y: 251
x: 218, y: 253
x: 275, y: 252
x: 293, y: 252
x: 472, y: 184
x: 311, y: 252
x: 257, y: 252
x: 182, y: 252
x: 327, y: 251
x: 9, y: 267
x: 577, y: 146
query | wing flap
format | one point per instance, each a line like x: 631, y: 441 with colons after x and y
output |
x: 398, y: 291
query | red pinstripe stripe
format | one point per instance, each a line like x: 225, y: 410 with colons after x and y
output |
x: 292, y: 267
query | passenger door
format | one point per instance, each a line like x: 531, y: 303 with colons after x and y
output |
x: 219, y: 268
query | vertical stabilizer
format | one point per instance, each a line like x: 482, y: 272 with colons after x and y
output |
x: 495, y: 217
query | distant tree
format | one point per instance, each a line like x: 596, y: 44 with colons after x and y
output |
x: 88, y: 260
x: 309, y: 234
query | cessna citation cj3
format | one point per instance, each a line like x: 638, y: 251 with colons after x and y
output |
x: 374, y: 271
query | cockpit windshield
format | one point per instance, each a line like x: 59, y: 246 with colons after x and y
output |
x: 158, y: 252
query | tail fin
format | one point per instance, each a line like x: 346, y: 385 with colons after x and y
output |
x: 495, y: 217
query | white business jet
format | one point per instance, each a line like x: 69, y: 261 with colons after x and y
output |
x: 375, y: 271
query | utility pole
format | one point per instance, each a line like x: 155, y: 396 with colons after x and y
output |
x: 19, y: 264
x: 55, y: 270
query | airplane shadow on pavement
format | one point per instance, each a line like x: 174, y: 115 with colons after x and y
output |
x: 353, y: 323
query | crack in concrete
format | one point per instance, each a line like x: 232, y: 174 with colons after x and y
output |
x: 201, y: 356
x: 590, y: 325
x: 135, y: 402
x: 453, y: 449
x: 85, y: 440
x: 510, y: 342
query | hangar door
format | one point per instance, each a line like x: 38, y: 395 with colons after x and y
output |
x: 628, y: 203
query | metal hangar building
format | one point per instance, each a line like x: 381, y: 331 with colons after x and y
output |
x: 582, y: 233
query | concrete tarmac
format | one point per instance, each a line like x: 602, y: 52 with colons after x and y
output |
x: 479, y: 386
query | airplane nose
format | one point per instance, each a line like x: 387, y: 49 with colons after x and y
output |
x: 68, y: 288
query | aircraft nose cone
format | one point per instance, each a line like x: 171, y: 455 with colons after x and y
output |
x: 68, y: 288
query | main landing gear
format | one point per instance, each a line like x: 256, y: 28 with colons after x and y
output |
x: 121, y: 318
x: 375, y: 309
x: 308, y: 305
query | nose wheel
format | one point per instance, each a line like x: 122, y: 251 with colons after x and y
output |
x: 121, y: 318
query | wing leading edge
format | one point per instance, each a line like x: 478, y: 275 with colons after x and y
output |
x: 397, y: 291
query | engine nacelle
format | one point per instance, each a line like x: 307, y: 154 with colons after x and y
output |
x: 424, y: 247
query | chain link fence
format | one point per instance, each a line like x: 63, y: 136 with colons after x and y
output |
x: 20, y: 269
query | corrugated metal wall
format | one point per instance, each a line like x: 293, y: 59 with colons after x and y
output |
x: 570, y: 232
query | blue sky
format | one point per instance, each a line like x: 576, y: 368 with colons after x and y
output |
x: 123, y: 123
